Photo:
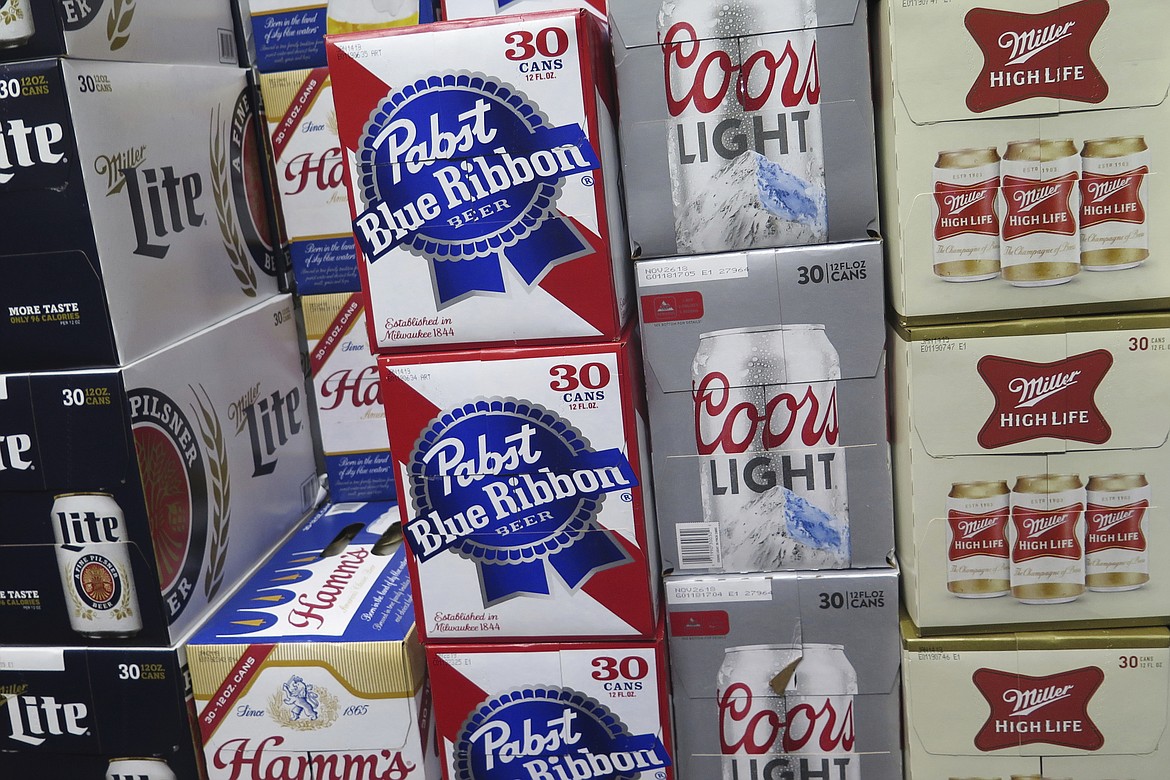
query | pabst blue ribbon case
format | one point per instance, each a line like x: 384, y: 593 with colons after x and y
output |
x: 786, y: 675
x: 745, y: 124
x: 590, y: 711
x: 131, y: 498
x: 1022, y: 147
x: 484, y: 194
x: 1030, y: 464
x: 121, y: 714
x: 313, y: 668
x: 523, y: 491
x: 349, y: 399
x: 134, y: 205
x: 1088, y: 705
x: 765, y: 376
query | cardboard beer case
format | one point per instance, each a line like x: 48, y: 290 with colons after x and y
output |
x: 472, y: 9
x: 135, y: 205
x: 131, y: 498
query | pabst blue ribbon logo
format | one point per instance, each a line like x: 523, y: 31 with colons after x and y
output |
x: 546, y: 732
x: 1051, y: 710
x: 465, y: 172
x: 514, y: 488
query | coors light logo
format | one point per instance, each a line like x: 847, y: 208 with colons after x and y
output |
x: 1037, y: 55
x: 1051, y: 710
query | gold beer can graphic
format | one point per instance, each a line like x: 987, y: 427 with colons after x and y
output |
x: 966, y: 222
x: 1045, y: 538
x: 1115, y: 203
x: 977, y: 546
x: 1040, y: 235
x: 93, y: 558
x: 1116, y: 532
x: 139, y: 768
x: 16, y: 23
x: 345, y: 16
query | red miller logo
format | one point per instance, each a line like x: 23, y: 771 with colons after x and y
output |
x: 984, y: 534
x: 1046, y: 534
x: 1037, y: 55
x: 966, y: 209
x: 1039, y: 206
x: 1112, y: 198
x: 1051, y: 710
x: 1115, y: 527
x: 1035, y: 400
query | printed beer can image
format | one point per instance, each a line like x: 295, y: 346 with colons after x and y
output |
x: 1040, y: 237
x: 977, y: 543
x: 16, y: 23
x: 1046, y: 537
x: 1116, y: 532
x: 139, y: 768
x: 1115, y: 203
x: 966, y: 222
x: 346, y: 16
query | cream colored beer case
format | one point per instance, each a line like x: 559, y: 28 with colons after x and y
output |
x: 1031, y: 466
x: 1083, y: 705
x: 313, y: 668
x: 1022, y: 147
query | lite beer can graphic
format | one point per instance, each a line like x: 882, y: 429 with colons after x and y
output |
x: 1115, y: 203
x: 977, y: 548
x: 1046, y: 538
x: 16, y: 23
x: 1116, y: 532
x: 1040, y: 242
x: 139, y: 769
x: 966, y: 216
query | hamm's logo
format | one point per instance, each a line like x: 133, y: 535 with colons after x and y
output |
x: 513, y: 487
x: 1051, y: 710
x: 551, y: 734
x: 464, y: 172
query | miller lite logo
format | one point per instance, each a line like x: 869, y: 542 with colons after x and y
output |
x: 1037, y: 55
x: 1113, y: 198
x: 966, y: 209
x: 33, y: 719
x: 977, y: 534
x: 271, y: 421
x: 1051, y: 710
x: 162, y: 203
x: 24, y: 146
x: 16, y: 450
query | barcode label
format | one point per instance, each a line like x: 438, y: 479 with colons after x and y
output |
x: 698, y: 546
x: 227, y: 47
x: 308, y: 494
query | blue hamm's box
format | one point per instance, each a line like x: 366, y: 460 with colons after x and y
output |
x: 313, y: 668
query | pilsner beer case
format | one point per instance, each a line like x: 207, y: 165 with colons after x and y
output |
x: 484, y: 193
x: 1090, y: 705
x: 765, y: 376
x: 313, y: 668
x: 551, y: 709
x: 786, y: 675
x: 761, y: 133
x: 134, y: 206
x: 1031, y: 460
x: 117, y: 713
x: 131, y: 498
x: 1023, y: 148
x: 523, y: 491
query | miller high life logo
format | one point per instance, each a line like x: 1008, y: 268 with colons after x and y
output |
x: 1046, y: 534
x: 966, y: 209
x: 1037, y: 55
x: 1036, y: 400
x: 1115, y: 527
x: 1051, y: 710
x: 1039, y: 206
x: 977, y: 534
x: 1113, y: 198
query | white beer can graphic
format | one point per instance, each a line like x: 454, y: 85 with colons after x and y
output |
x: 966, y: 223
x: 16, y: 23
x: 1115, y: 203
x: 345, y: 16
x: 139, y: 769
x: 1117, y: 532
x: 1046, y: 537
x: 977, y: 548
x: 1040, y: 234
x: 93, y: 557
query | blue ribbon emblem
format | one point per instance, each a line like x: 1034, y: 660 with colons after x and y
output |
x: 464, y: 172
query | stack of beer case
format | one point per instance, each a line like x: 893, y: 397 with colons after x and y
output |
x: 153, y: 418
x: 1023, y: 151
x: 748, y: 156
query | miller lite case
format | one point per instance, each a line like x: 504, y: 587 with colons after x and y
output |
x: 1089, y: 704
x: 1031, y: 465
x: 1023, y: 146
x: 313, y: 669
x: 132, y: 498
x: 484, y: 194
x: 560, y: 711
x: 786, y: 675
x: 745, y: 124
x: 765, y: 376
x: 135, y: 209
x: 523, y: 491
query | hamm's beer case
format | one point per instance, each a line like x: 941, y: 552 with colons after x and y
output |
x: 553, y: 710
x: 523, y: 491
x: 313, y: 668
x: 765, y: 375
x: 1023, y: 146
x: 118, y: 713
x: 1082, y: 705
x: 131, y: 498
x: 484, y: 193
x: 141, y: 208
x: 1031, y: 466
x: 756, y: 118
x: 786, y: 675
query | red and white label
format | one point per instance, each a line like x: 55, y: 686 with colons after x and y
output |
x: 1112, y: 198
x: 964, y: 210
x: 1046, y: 533
x: 974, y: 535
x: 1115, y: 527
x: 812, y: 724
x: 797, y: 416
x: 1039, y: 206
x: 1051, y: 710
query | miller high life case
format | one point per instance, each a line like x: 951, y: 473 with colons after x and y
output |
x: 1089, y: 705
x: 786, y: 675
x: 765, y: 376
x: 1022, y: 147
x: 589, y: 711
x: 134, y: 208
x: 522, y: 486
x: 484, y: 193
x: 745, y: 124
x: 131, y: 498
x: 313, y: 669
x: 1030, y: 465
